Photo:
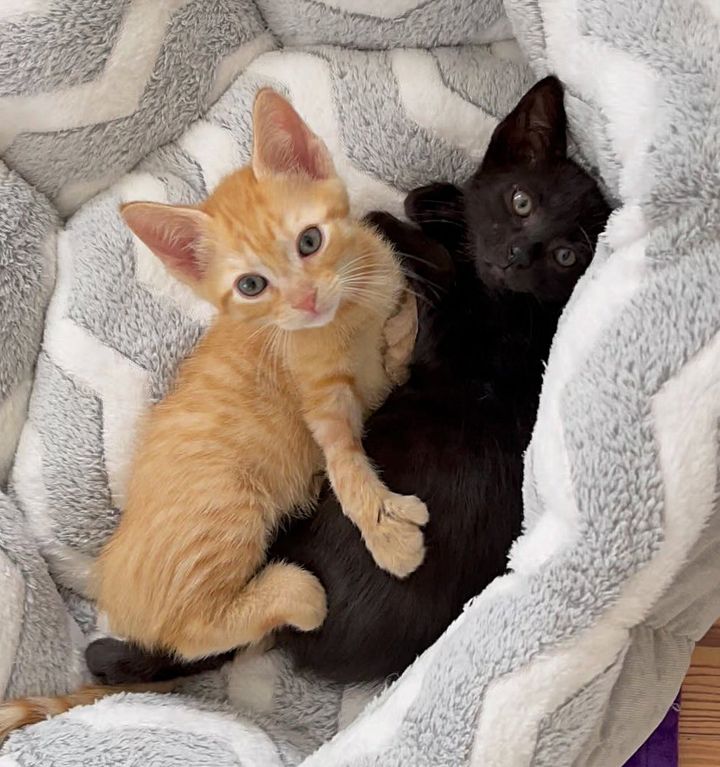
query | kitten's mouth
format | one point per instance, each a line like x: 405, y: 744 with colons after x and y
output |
x: 497, y: 270
x: 318, y: 319
x: 499, y: 276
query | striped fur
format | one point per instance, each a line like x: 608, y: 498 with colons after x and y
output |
x: 271, y: 395
x: 20, y: 713
x: 267, y: 400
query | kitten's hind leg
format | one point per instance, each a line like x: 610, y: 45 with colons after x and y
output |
x: 281, y: 594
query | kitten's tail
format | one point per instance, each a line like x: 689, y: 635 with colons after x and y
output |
x: 24, y: 711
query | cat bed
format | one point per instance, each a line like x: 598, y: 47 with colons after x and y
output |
x: 575, y: 655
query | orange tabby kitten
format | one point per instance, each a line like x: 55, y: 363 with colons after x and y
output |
x: 276, y: 391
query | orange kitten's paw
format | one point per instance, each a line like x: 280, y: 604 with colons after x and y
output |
x: 396, y: 541
x: 307, y: 601
x: 406, y: 508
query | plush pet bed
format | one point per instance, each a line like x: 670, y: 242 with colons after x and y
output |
x: 572, y: 658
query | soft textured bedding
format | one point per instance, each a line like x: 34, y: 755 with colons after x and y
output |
x: 573, y: 657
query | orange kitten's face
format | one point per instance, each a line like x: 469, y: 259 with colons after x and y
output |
x: 274, y: 243
x: 283, y: 251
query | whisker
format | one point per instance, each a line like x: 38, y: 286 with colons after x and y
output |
x: 362, y: 274
x: 434, y: 220
x: 377, y: 279
x: 369, y: 298
x: 434, y: 290
x: 363, y: 281
x: 587, y: 239
x: 419, y: 296
x: 413, y: 257
x: 424, y: 263
x: 271, y: 357
x: 362, y: 265
x: 258, y: 330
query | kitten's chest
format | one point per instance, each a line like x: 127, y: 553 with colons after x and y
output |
x: 355, y: 353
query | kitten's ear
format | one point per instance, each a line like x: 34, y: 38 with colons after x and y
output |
x: 439, y: 210
x: 535, y: 131
x: 174, y: 233
x: 283, y: 143
x: 426, y: 261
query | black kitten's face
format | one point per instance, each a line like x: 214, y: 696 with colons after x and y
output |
x: 533, y: 230
x: 533, y: 216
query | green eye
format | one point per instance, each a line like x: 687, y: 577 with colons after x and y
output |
x: 564, y: 256
x: 522, y: 203
x: 251, y: 285
x: 309, y: 241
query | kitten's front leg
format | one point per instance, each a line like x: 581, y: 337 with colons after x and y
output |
x: 390, y: 523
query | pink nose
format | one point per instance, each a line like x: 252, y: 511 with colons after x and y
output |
x: 307, y: 303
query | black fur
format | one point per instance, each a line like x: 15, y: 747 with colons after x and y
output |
x: 527, y: 155
x: 455, y: 433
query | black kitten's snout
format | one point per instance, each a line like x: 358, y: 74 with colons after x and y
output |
x: 518, y: 256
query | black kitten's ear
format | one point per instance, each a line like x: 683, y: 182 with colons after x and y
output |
x: 422, y: 257
x: 435, y: 202
x: 535, y: 131
x: 439, y: 210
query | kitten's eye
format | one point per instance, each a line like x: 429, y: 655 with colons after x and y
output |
x: 309, y: 241
x: 564, y: 256
x: 521, y: 202
x: 251, y: 285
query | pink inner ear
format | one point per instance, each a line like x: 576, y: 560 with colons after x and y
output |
x: 283, y: 143
x: 172, y: 233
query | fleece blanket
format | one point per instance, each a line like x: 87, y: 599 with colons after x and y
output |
x: 575, y: 655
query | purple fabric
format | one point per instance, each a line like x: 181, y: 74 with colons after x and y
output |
x: 661, y: 748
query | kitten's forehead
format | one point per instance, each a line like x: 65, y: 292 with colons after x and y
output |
x: 259, y: 222
x: 563, y: 192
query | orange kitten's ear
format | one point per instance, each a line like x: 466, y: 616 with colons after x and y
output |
x: 173, y: 233
x: 282, y: 143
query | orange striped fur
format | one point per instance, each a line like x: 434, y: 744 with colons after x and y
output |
x: 270, y: 397
x: 21, y: 713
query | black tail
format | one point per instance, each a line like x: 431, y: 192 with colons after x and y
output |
x: 115, y: 662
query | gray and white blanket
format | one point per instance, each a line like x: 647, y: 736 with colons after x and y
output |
x: 572, y: 657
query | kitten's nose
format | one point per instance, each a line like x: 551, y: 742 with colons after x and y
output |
x: 307, y: 302
x: 518, y: 257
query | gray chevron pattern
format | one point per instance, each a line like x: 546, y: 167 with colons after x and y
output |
x: 370, y: 24
x: 132, y: 75
x: 28, y: 225
x: 41, y: 43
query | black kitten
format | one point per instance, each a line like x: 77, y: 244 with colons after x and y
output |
x: 494, y: 263
x: 530, y: 216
